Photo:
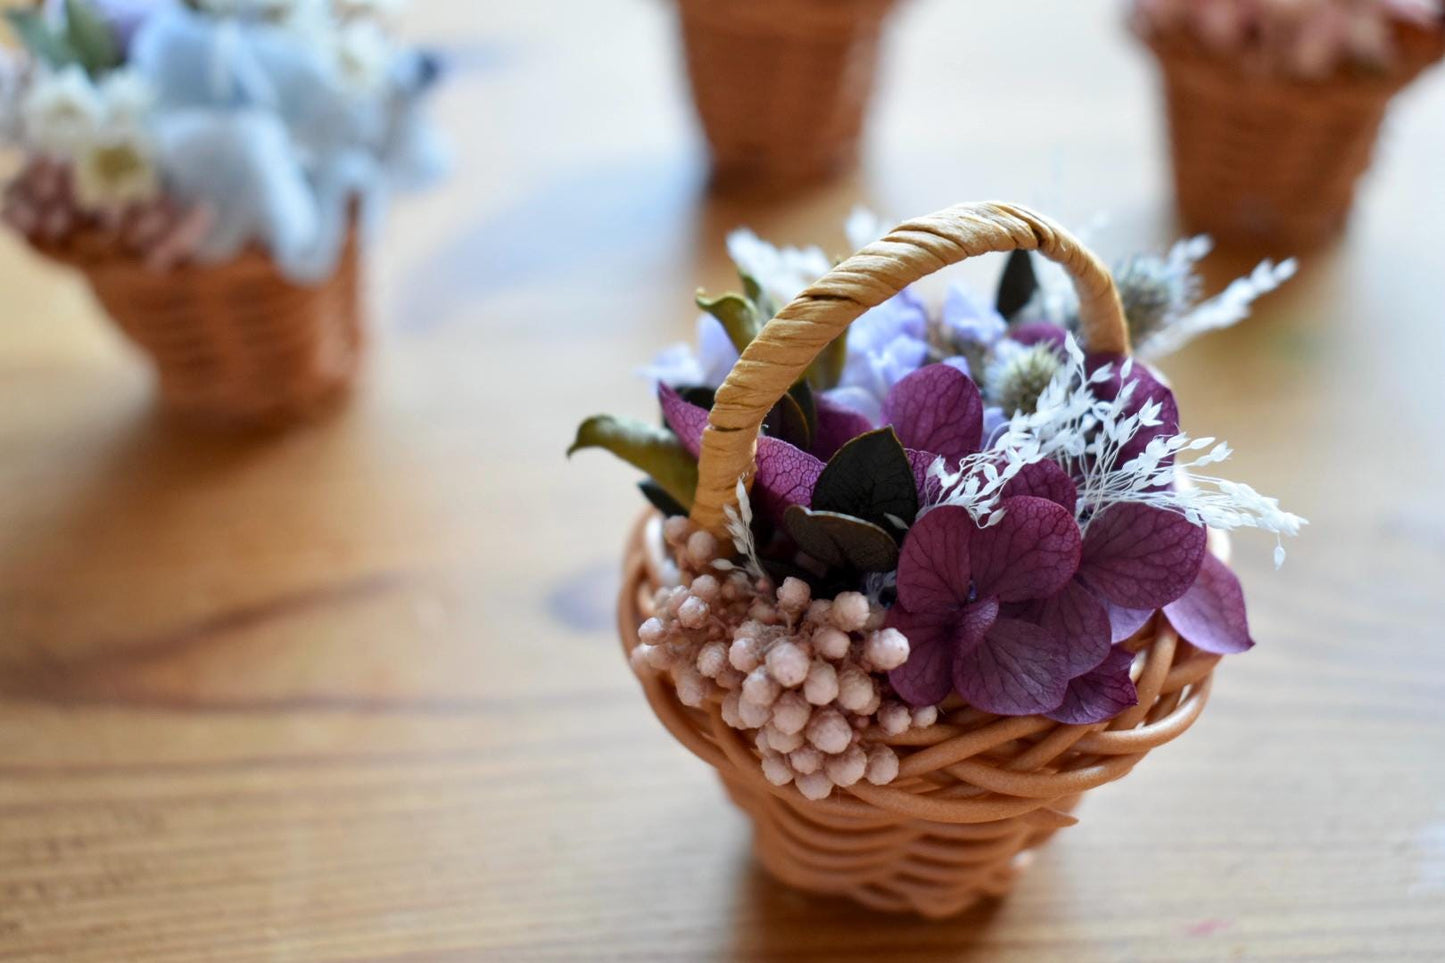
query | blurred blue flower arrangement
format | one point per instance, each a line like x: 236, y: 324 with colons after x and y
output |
x: 188, y: 131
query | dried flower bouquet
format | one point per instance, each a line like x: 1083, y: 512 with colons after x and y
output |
x: 1274, y: 105
x: 914, y: 584
x: 209, y: 165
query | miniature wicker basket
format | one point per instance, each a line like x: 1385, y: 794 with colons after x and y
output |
x: 975, y: 792
x: 781, y: 86
x: 1267, y: 160
x: 236, y: 344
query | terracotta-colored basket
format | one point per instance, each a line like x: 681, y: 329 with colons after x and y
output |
x: 237, y: 344
x: 1269, y: 160
x: 975, y: 792
x: 782, y: 86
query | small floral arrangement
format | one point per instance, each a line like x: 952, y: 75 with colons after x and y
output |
x: 955, y: 506
x: 173, y: 132
x: 1303, y: 38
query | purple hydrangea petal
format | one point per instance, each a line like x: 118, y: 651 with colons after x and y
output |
x: 1017, y: 669
x: 1147, y: 388
x: 1031, y: 553
x: 930, y: 486
x: 1038, y: 332
x: 1211, y: 614
x: 1044, y: 479
x: 1081, y: 619
x: 933, y: 567
x: 686, y: 419
x: 1123, y: 622
x: 926, y: 678
x: 1141, y: 557
x: 937, y: 408
x: 837, y: 425
x: 786, y: 476
x: 1099, y: 694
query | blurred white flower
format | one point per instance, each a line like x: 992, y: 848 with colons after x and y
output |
x: 116, y: 171
x: 363, y: 56
x: 781, y: 272
x: 62, y: 112
x: 127, y: 99
x: 380, y: 9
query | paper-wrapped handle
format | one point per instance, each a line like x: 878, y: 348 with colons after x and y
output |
x: 787, y: 345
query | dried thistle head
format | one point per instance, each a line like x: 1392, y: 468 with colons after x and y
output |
x: 1017, y: 377
x: 1156, y: 292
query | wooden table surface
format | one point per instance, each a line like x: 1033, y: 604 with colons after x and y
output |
x: 355, y: 693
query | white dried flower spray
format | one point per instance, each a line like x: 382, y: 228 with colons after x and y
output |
x: 1231, y: 306
x: 740, y: 529
x: 1160, y: 295
x: 1086, y: 435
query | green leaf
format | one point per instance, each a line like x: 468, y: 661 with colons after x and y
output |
x: 736, y: 313
x: 654, y: 450
x: 661, y: 500
x: 42, y: 42
x: 827, y: 369
x: 90, y: 37
x: 1018, y: 284
x: 762, y: 304
x: 841, y: 541
x: 869, y: 478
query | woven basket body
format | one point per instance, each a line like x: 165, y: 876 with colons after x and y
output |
x: 237, y: 343
x: 782, y: 86
x: 975, y: 792
x: 1268, y: 160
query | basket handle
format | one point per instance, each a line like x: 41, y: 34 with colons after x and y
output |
x: 788, y: 343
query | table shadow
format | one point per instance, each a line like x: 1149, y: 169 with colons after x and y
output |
x: 773, y: 921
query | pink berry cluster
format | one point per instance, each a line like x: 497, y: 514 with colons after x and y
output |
x: 807, y: 676
x: 40, y: 203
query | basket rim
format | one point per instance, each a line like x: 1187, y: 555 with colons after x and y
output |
x: 1422, y: 49
x: 972, y: 745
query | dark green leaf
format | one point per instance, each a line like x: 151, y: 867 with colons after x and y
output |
x: 660, y: 499
x: 737, y: 315
x: 869, y: 478
x: 654, y: 450
x: 803, y: 395
x: 700, y: 395
x: 827, y: 369
x: 90, y: 37
x: 42, y: 42
x: 789, y: 422
x: 1018, y: 284
x: 841, y: 541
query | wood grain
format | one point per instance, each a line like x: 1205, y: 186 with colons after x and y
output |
x: 353, y: 694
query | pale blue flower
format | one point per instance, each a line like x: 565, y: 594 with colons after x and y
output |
x: 259, y: 123
x: 965, y: 321
x: 679, y: 365
x: 885, y: 345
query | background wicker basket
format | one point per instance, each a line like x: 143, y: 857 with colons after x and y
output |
x: 237, y: 344
x: 975, y: 792
x: 782, y: 86
x: 1268, y: 160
